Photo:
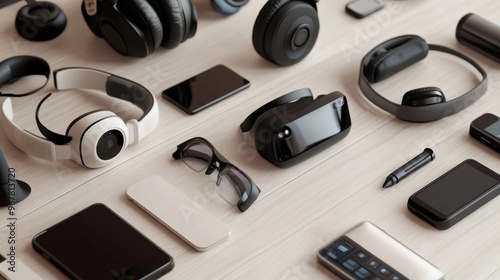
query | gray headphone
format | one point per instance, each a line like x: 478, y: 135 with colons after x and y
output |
x: 419, y: 105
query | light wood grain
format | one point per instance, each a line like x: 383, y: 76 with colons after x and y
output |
x: 301, y: 208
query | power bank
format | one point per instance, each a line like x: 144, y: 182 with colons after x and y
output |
x: 367, y: 252
x: 178, y: 212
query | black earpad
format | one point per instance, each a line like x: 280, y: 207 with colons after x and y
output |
x: 423, y: 96
x: 285, y: 31
x: 176, y: 17
x: 121, y: 25
x: 40, y: 21
x: 152, y: 19
x: 261, y: 23
x: 172, y: 19
x: 395, y: 56
x: 228, y: 7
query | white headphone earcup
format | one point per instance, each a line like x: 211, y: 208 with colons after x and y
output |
x: 98, y: 138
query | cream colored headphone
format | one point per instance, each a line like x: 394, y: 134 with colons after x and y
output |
x: 96, y: 138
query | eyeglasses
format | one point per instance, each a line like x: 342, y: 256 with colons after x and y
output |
x: 233, y: 185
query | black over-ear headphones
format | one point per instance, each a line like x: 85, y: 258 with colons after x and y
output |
x: 418, y: 105
x: 96, y: 138
x: 40, y: 21
x: 228, y: 7
x: 138, y: 27
x: 17, y: 67
x: 285, y: 30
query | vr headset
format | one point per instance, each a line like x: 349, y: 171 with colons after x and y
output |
x: 296, y: 126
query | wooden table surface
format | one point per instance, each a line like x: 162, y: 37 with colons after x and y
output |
x: 300, y: 208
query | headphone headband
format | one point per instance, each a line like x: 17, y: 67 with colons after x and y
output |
x: 426, y: 113
x: 18, y: 67
x: 114, y: 86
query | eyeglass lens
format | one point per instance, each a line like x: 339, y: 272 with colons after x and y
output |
x: 232, y: 185
x: 197, y: 156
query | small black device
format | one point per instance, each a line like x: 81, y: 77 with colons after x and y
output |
x: 455, y: 194
x: 40, y: 21
x: 480, y: 34
x: 486, y: 129
x: 12, y: 190
x: 367, y: 252
x: 205, y: 89
x: 363, y: 8
x: 96, y: 243
x: 296, y: 126
x: 285, y: 31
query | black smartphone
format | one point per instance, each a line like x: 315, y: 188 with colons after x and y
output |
x: 455, y: 194
x: 96, y: 243
x: 205, y: 89
x: 363, y: 8
x: 486, y: 129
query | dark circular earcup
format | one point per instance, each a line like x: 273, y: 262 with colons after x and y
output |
x: 178, y: 18
x: 423, y: 97
x: 40, y: 21
x: 285, y: 31
x: 393, y: 56
x: 122, y: 26
x: 228, y: 7
x: 151, y: 17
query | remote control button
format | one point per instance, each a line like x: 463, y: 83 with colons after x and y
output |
x: 344, y: 247
x: 350, y: 265
x: 374, y: 264
x: 385, y: 271
x: 361, y: 255
x: 363, y: 273
x: 332, y: 255
x: 395, y: 277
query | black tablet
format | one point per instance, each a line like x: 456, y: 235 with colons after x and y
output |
x: 96, y: 243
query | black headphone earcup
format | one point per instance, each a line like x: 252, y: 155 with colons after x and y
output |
x: 423, y: 97
x: 228, y: 7
x: 261, y: 23
x: 153, y: 21
x: 122, y: 26
x: 387, y: 62
x: 40, y: 21
x: 285, y: 31
x: 178, y: 18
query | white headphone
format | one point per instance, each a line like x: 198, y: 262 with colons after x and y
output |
x: 95, y: 138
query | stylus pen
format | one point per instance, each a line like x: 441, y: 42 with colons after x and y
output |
x: 411, y: 166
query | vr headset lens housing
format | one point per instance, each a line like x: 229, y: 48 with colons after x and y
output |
x: 234, y: 186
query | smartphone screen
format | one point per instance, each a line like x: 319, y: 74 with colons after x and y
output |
x: 95, y: 243
x: 457, y: 193
x: 205, y: 89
